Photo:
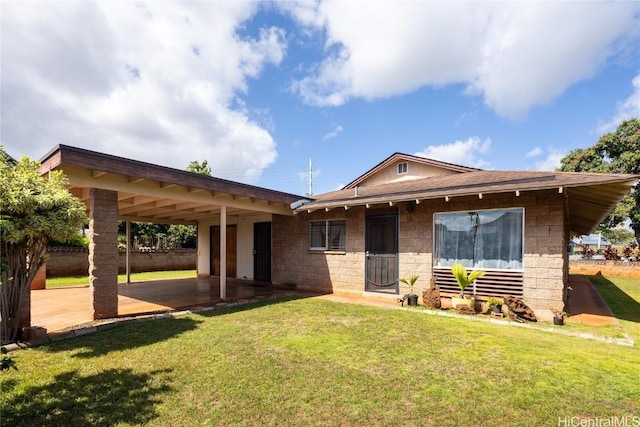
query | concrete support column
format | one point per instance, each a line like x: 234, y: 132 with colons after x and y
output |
x: 103, y: 253
x: 223, y: 252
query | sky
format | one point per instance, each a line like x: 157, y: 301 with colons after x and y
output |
x: 258, y: 89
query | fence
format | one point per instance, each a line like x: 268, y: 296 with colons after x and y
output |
x: 605, y: 267
x: 75, y: 261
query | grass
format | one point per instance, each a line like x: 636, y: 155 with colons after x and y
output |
x: 58, y: 282
x: 622, y: 295
x: 295, y: 361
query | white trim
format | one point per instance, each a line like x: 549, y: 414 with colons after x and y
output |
x: 404, y: 166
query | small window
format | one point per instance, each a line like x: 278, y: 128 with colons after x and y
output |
x: 403, y: 168
x: 327, y: 235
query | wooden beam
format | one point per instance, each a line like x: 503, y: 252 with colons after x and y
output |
x: 157, y: 220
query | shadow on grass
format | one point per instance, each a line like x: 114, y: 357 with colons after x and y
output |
x: 140, y: 334
x: 129, y: 336
x: 621, y: 304
x: 115, y: 396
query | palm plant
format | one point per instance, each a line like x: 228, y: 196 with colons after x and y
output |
x: 464, y: 280
x: 411, y: 281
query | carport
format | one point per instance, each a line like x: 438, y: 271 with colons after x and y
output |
x: 116, y: 188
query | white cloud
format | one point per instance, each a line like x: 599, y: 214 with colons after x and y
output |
x: 625, y: 110
x: 466, y: 152
x: 534, y: 152
x: 333, y: 132
x: 516, y: 55
x: 154, y: 81
x: 551, y: 162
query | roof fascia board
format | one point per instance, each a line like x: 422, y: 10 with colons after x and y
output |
x: 73, y: 156
x: 396, y: 197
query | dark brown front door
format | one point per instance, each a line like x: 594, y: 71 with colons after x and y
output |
x: 262, y: 251
x: 381, y: 245
x: 231, y: 250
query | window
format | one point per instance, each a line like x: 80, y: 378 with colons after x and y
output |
x: 488, y: 239
x: 403, y: 168
x: 327, y: 235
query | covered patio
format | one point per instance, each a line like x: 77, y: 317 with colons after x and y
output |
x: 234, y: 235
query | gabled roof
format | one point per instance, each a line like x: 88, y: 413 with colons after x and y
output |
x: 409, y: 158
x: 148, y: 192
x: 591, y: 195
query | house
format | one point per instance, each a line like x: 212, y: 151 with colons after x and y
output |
x: 410, y: 215
x: 596, y: 240
x: 407, y: 215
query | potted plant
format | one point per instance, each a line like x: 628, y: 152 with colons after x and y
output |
x: 464, y: 280
x: 495, y: 304
x: 411, y: 281
x: 558, y: 317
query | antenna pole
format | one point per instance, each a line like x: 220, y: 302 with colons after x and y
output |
x: 310, y: 177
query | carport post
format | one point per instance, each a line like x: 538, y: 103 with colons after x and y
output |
x: 127, y: 248
x: 103, y: 253
x: 223, y: 253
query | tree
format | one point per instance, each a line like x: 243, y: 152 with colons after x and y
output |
x: 201, y: 168
x: 615, y: 152
x: 33, y: 211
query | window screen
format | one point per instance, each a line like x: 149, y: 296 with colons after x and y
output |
x: 327, y: 235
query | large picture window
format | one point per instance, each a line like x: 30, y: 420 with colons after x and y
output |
x: 327, y: 235
x: 489, y: 239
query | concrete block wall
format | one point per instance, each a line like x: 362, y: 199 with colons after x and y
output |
x: 294, y: 263
x: 545, y: 237
x: 76, y: 263
x: 545, y: 259
x: 415, y: 226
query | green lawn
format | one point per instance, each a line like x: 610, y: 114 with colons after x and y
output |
x: 313, y: 362
x: 623, y: 298
x: 57, y: 282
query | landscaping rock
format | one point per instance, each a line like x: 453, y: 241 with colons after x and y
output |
x: 518, y: 310
x: 431, y: 297
x: 464, y: 309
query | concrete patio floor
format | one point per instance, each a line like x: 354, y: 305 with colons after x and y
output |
x: 60, y: 308
x: 57, y: 309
